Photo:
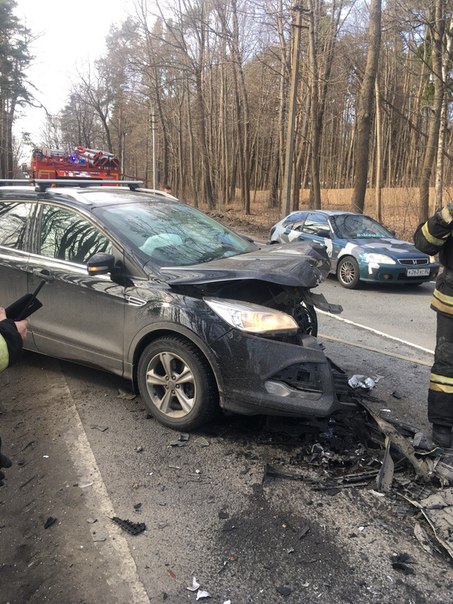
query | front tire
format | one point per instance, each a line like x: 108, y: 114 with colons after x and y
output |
x: 348, y: 272
x: 177, y: 384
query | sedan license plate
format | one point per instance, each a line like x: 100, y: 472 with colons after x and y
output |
x: 417, y: 272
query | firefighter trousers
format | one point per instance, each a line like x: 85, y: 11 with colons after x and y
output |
x: 440, y: 395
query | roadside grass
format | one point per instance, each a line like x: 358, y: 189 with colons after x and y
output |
x: 399, y: 208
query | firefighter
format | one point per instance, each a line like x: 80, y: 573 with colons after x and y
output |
x: 435, y: 237
x: 12, y: 335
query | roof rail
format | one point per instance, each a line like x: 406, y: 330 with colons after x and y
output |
x: 159, y: 192
x: 42, y: 184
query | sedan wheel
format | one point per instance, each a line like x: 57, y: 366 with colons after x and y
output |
x: 348, y: 272
x: 177, y: 384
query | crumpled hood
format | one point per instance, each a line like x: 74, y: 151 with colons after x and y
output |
x: 298, y: 264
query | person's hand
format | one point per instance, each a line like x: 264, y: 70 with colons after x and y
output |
x: 2, y: 314
x: 4, y: 463
x: 22, y: 327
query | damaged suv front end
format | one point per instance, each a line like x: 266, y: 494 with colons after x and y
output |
x: 267, y: 360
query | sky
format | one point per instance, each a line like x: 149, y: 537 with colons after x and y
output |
x: 69, y: 36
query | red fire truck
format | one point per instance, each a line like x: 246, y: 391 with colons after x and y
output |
x: 81, y: 164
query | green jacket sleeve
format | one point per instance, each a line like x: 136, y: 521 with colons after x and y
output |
x: 10, y: 343
x: 4, y: 354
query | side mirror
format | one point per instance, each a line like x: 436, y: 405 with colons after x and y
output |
x: 100, y: 264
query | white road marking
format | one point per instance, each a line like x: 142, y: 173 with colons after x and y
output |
x: 375, y: 331
x: 124, y: 570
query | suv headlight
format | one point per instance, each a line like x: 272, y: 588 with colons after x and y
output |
x: 251, y: 317
x: 378, y: 259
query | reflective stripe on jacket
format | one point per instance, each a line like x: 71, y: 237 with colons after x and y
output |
x: 4, y: 354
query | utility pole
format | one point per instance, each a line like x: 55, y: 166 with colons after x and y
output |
x: 289, y: 154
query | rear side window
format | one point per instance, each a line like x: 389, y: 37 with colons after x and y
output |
x: 14, y: 218
x: 69, y: 236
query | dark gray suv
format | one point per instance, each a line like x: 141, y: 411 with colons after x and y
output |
x: 151, y: 289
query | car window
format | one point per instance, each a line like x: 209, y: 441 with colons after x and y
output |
x: 173, y: 234
x: 69, y: 236
x: 357, y: 226
x: 295, y: 221
x: 13, y: 224
x: 316, y: 224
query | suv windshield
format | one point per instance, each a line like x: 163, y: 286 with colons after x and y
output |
x: 354, y: 226
x: 173, y: 234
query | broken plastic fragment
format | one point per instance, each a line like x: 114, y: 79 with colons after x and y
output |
x: 134, y: 528
x: 49, y: 522
x: 361, y: 381
x: 201, y: 594
x: 195, y: 585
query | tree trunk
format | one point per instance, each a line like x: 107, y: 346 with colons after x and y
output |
x: 364, y: 114
x: 435, y: 110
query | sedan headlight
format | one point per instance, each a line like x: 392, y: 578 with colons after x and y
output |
x: 379, y: 259
x: 251, y: 317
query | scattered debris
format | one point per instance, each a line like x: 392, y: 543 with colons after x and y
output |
x: 361, y: 381
x: 137, y: 507
x: 202, y: 594
x: 437, y: 509
x: 303, y: 531
x: 385, y: 477
x: 139, y: 449
x: 384, y: 455
x: 134, y: 528
x: 49, y: 522
x: 181, y: 442
x: 92, y: 520
x: 195, y: 585
x: 422, y: 537
x: 401, y: 563
x: 396, y: 395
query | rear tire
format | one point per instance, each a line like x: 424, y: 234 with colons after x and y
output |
x: 348, y: 272
x: 177, y: 383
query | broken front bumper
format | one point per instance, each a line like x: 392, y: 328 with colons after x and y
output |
x: 270, y: 377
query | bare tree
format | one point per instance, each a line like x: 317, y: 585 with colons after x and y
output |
x: 364, y: 112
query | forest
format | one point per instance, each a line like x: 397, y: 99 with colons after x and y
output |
x: 224, y: 99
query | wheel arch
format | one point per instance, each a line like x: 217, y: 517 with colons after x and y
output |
x: 163, y: 330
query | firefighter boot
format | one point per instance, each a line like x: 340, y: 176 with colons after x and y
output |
x: 442, y: 435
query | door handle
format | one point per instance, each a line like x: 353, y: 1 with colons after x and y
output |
x: 43, y: 274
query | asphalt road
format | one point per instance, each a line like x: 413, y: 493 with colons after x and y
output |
x: 85, y: 451
x: 400, y: 311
